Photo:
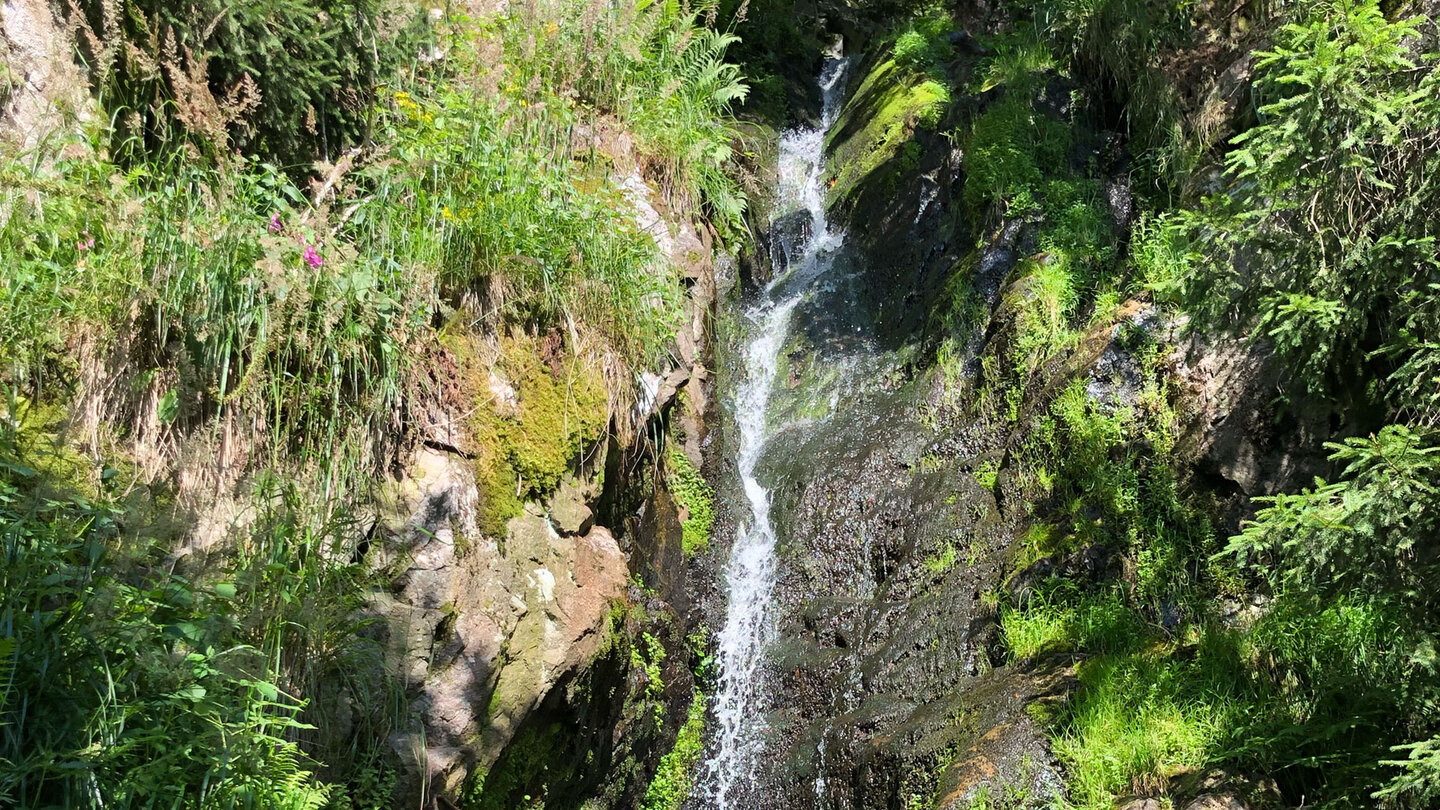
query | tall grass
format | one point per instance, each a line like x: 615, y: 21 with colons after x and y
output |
x: 130, y: 687
x: 293, y: 329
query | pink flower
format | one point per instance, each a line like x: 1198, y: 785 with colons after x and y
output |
x: 275, y: 226
x: 312, y: 257
x: 88, y: 243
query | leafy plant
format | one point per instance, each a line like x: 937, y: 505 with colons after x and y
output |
x: 697, y: 497
x: 671, y: 785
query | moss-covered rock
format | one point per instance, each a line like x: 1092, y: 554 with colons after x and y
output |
x: 875, y: 130
x: 537, y: 417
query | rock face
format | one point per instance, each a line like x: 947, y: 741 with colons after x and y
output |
x: 483, y: 629
x: 888, y: 685
x: 40, y: 86
x: 549, y: 659
x: 532, y: 663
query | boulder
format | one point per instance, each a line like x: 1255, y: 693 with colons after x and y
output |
x: 569, y: 512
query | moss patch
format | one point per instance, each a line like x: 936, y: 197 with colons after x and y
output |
x: 893, y: 102
x: 559, y: 410
x: 530, y: 764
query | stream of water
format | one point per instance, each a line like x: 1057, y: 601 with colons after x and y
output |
x: 749, y: 628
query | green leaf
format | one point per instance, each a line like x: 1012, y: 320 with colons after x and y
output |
x: 169, y: 407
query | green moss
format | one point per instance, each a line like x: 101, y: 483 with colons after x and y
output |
x: 893, y: 102
x: 671, y: 785
x: 523, y: 773
x: 987, y: 474
x: 943, y: 560
x: 690, y: 490
x: 524, y: 451
x: 560, y: 414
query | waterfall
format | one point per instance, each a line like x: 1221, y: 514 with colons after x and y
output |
x: 750, y: 574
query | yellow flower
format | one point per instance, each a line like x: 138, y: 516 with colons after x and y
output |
x: 445, y: 212
x: 552, y: 29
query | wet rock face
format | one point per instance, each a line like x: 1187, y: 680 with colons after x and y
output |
x: 885, y: 684
x: 884, y: 679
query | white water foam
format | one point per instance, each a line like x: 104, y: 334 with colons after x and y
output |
x: 750, y: 574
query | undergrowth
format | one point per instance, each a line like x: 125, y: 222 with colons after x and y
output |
x: 252, y: 266
x: 698, y: 499
x: 1303, y: 650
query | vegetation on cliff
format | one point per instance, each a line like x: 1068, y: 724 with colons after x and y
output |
x: 244, y: 282
x: 1308, y: 235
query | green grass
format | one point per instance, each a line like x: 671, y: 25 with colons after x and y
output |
x: 1301, y: 694
x: 1138, y: 720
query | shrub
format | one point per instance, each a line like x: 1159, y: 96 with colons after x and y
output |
x: 1371, y: 538
x: 127, y: 689
x: 1324, y: 237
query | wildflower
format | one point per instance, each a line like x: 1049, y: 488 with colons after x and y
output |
x: 312, y: 257
x: 88, y: 243
x: 275, y: 226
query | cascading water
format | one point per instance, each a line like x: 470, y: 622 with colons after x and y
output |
x: 750, y: 575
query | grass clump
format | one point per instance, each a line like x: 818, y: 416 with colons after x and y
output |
x: 923, y: 46
x: 289, y: 81
x: 1012, y: 150
x: 696, y: 497
x: 1154, y: 702
x: 1138, y: 720
x: 219, y: 281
